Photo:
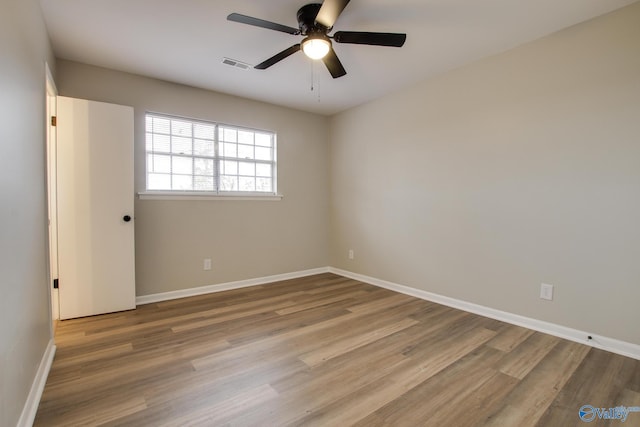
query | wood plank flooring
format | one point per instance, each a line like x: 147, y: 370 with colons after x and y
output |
x: 323, y: 351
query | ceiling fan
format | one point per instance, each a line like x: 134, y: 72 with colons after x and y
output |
x: 315, y: 21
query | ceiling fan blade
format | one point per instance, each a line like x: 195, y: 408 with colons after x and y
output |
x: 374, y: 39
x: 244, y: 19
x: 333, y: 64
x: 329, y: 12
x: 278, y: 57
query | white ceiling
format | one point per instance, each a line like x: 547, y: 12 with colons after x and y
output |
x: 184, y: 41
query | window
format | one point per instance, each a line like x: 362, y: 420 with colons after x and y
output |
x: 186, y: 155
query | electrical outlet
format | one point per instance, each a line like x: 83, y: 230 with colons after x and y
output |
x: 546, y: 291
x: 351, y: 255
x: 206, y: 265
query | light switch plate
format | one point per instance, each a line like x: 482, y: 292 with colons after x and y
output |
x: 546, y: 291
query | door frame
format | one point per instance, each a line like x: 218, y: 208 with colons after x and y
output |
x: 51, y: 189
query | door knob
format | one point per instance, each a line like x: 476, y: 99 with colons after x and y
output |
x: 126, y: 218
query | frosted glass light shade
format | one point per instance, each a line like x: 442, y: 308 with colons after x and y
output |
x: 316, y: 48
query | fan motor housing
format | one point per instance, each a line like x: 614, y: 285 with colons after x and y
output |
x: 307, y: 19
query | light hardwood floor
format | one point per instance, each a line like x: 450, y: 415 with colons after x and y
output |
x: 323, y: 351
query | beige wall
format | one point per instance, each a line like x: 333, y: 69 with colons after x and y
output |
x: 516, y: 170
x: 244, y: 239
x: 24, y: 305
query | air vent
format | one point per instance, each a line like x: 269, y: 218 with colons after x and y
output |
x: 237, y: 64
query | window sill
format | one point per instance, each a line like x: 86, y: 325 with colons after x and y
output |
x: 178, y: 195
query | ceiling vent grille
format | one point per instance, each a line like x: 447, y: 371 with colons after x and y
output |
x: 236, y: 64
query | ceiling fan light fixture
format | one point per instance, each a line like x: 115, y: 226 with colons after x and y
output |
x: 315, y: 21
x: 316, y: 47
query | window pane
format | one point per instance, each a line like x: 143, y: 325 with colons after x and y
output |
x: 157, y: 181
x: 148, y: 123
x: 161, y: 125
x: 181, y: 145
x: 203, y: 183
x: 263, y: 184
x: 182, y: 165
x: 229, y: 150
x: 263, y: 170
x: 247, y: 183
x: 229, y: 167
x: 182, y: 182
x: 180, y: 128
x: 263, y: 153
x: 228, y: 183
x: 159, y: 163
x: 245, y: 151
x: 203, y: 167
x: 149, y: 141
x: 203, y: 131
x: 229, y: 135
x: 264, y: 139
x: 246, y: 168
x: 161, y: 143
x: 245, y: 137
x: 203, y: 148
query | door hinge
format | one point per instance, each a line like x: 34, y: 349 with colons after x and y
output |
x: 54, y: 121
x: 55, y: 283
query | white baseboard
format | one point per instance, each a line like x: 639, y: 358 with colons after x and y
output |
x: 201, y: 290
x: 37, y: 387
x: 605, y: 343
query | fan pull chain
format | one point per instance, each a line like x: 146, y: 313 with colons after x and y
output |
x: 315, y: 79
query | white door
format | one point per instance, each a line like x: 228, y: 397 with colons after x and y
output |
x: 95, y: 208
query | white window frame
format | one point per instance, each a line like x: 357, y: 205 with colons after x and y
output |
x: 218, y: 157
